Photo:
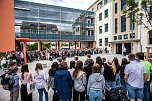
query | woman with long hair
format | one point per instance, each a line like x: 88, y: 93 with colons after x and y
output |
x: 96, y: 84
x: 51, y: 73
x: 63, y: 82
x: 25, y: 78
x: 99, y: 61
x: 72, y: 67
x: 122, y: 74
x: 79, y: 78
x: 116, y: 64
x: 39, y: 78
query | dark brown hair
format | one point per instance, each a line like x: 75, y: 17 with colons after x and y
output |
x: 131, y: 56
x: 24, y: 69
x: 38, y: 67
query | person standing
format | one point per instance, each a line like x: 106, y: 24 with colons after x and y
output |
x: 135, y: 77
x: 25, y: 78
x: 79, y: 78
x: 63, y: 82
x: 148, y: 66
x: 96, y: 84
x: 39, y: 79
x: 14, y: 92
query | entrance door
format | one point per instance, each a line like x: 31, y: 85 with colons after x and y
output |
x: 119, y: 48
x: 128, y: 47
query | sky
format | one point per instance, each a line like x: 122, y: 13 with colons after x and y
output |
x: 78, y: 4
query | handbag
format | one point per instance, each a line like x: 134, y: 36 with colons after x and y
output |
x: 50, y: 93
x: 30, y: 88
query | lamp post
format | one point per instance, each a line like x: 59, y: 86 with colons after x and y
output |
x: 132, y: 17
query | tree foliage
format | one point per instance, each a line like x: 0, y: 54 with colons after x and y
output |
x: 139, y: 11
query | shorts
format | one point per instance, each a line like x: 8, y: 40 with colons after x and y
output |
x: 135, y: 92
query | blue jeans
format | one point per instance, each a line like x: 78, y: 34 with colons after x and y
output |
x: 123, y: 83
x: 134, y: 92
x: 95, y: 95
x: 110, y: 85
x: 146, y: 91
x: 41, y: 94
x: 118, y: 79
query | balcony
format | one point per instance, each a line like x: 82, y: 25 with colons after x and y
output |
x: 48, y: 36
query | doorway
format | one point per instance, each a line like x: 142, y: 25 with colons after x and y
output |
x: 128, y: 47
x: 119, y: 48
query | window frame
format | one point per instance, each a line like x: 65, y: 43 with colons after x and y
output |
x: 106, y: 13
x: 106, y: 27
x: 106, y: 41
x: 123, y: 23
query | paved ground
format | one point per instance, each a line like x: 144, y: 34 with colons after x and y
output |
x: 4, y: 95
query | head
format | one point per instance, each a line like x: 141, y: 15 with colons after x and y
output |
x: 96, y: 68
x: 76, y: 58
x: 24, y: 68
x: 79, y: 67
x: 131, y: 57
x: 55, y: 65
x: 90, y: 62
x: 63, y: 65
x: 103, y: 59
x: 140, y: 55
x: 64, y: 58
x: 88, y: 56
x: 38, y: 67
x: 59, y: 59
x: 15, y: 69
x: 124, y: 61
x: 115, y: 60
x: 72, y: 64
x: 98, y: 60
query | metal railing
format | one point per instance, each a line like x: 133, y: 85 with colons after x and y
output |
x: 48, y: 36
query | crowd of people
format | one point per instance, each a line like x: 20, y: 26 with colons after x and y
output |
x: 91, y: 80
x: 47, y: 55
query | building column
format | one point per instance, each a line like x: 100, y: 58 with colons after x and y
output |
x: 24, y: 50
x: 75, y: 44
x: 79, y: 45
x: 94, y: 44
x: 59, y: 45
x: 39, y: 45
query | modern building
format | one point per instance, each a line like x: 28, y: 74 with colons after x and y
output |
x: 43, y: 23
x: 114, y: 30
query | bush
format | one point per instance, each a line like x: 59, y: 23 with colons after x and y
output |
x: 2, y: 55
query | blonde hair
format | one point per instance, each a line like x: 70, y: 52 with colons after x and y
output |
x: 113, y: 66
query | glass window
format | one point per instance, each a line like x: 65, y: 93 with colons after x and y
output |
x: 119, y: 37
x: 105, y: 1
x: 150, y: 9
x: 106, y: 41
x: 106, y: 13
x: 99, y: 5
x: 126, y: 36
x: 150, y: 37
x: 100, y: 42
x: 106, y: 27
x: 123, y: 4
x: 132, y: 27
x: 100, y: 29
x: 133, y: 35
x: 100, y: 16
x: 116, y: 8
x: 116, y: 25
x: 115, y: 37
x: 123, y: 23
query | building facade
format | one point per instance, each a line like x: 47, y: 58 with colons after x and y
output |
x: 44, y: 23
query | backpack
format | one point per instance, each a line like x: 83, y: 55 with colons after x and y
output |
x: 7, y: 81
x: 118, y: 94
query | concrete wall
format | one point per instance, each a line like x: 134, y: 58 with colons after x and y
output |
x: 7, y: 36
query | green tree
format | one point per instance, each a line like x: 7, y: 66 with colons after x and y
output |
x: 133, y: 8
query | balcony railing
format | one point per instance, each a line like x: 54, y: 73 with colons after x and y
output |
x: 65, y: 37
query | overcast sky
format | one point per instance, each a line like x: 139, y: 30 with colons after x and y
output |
x: 79, y: 4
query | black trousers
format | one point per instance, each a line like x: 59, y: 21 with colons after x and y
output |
x: 76, y: 95
x: 24, y: 95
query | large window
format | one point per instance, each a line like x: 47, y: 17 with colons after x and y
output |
x: 125, y: 36
x: 123, y: 4
x: 99, y: 5
x: 106, y: 41
x: 106, y: 13
x: 133, y: 35
x: 106, y: 27
x: 100, y: 16
x: 116, y: 25
x: 100, y: 29
x: 132, y: 25
x: 123, y: 23
x: 100, y: 42
x: 105, y: 1
x: 115, y: 37
x: 119, y: 37
x: 150, y: 9
x: 116, y: 8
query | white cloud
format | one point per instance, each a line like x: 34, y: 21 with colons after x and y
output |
x: 78, y: 4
